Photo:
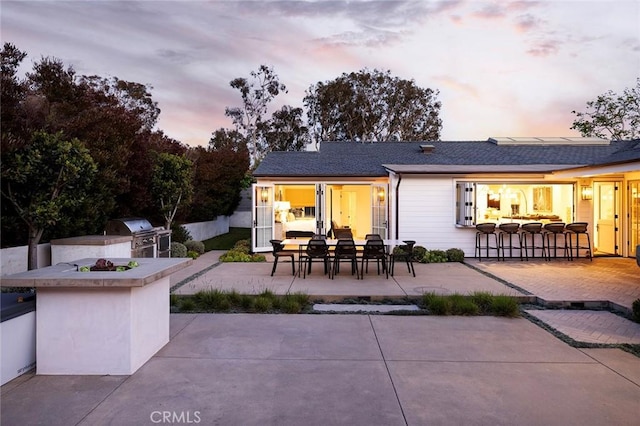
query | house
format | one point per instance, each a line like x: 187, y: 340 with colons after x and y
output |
x: 435, y: 192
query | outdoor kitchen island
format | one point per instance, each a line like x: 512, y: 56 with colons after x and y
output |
x: 99, y: 322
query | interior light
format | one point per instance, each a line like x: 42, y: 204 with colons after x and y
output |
x: 586, y: 193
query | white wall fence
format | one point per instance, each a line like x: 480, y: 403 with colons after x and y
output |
x: 14, y: 259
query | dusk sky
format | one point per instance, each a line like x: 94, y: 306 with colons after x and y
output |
x: 502, y: 68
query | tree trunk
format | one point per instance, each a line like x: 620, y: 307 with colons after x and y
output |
x: 32, y: 255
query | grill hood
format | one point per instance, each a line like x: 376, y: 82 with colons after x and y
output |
x: 128, y: 226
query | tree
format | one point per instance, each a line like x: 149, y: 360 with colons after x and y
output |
x: 372, y: 106
x: 611, y: 116
x: 171, y: 183
x: 220, y: 170
x: 44, y: 181
x: 256, y: 96
x: 285, y: 131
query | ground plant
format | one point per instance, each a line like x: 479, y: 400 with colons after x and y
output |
x: 241, y: 252
x: 435, y: 256
x: 178, y: 249
x: 216, y: 300
x: 197, y: 246
x: 479, y: 303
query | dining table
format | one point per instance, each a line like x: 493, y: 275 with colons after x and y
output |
x: 301, y: 243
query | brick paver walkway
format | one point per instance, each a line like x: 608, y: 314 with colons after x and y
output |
x: 590, y: 326
x: 605, y: 279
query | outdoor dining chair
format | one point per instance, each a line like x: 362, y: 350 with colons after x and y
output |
x: 403, y: 252
x: 278, y: 251
x: 374, y: 249
x: 317, y: 250
x: 345, y: 251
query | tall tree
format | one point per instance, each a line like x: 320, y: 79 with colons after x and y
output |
x: 611, y: 116
x: 285, y: 131
x: 171, y: 183
x: 256, y: 94
x: 372, y: 106
x: 45, y: 181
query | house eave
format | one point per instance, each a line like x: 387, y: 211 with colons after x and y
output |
x: 467, y: 169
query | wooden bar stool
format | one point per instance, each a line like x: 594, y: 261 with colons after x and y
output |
x: 555, y: 230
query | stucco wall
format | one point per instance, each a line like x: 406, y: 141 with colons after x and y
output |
x: 14, y: 259
x: 201, y: 231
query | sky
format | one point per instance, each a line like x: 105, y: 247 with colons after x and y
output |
x: 502, y: 69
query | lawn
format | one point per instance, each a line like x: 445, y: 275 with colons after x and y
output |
x: 226, y: 241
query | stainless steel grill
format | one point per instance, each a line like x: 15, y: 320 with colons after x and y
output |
x: 144, y: 235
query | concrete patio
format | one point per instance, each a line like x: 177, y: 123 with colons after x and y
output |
x: 241, y: 369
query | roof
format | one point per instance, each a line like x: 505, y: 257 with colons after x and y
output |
x: 365, y: 159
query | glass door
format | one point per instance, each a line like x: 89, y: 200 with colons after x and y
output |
x: 262, y: 217
x: 379, y: 211
x: 606, y: 212
x: 634, y: 215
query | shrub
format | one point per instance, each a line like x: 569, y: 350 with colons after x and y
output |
x: 178, y: 249
x: 437, y: 304
x: 179, y: 234
x: 187, y: 304
x: 636, y: 310
x: 462, y: 305
x: 243, y: 245
x: 484, y: 300
x: 197, y: 246
x: 455, y: 255
x: 262, y: 304
x: 234, y: 255
x: 419, y: 253
x: 435, y: 256
x: 505, y: 306
x: 193, y: 254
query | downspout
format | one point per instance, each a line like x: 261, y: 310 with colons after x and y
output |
x: 398, y: 206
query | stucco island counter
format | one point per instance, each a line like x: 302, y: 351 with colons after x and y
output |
x: 102, y: 322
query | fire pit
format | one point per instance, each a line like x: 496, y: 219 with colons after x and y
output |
x: 107, y: 265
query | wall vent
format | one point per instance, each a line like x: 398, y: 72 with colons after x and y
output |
x: 427, y: 148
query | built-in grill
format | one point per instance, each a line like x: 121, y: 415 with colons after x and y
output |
x: 144, y: 235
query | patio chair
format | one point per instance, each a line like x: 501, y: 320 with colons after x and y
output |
x: 278, y: 251
x: 345, y: 251
x: 340, y: 232
x: 374, y: 249
x: 373, y: 237
x: 317, y: 251
x: 403, y: 252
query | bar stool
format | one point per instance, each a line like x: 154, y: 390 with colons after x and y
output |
x: 555, y: 229
x: 509, y: 230
x: 577, y: 229
x: 529, y: 231
x: 486, y: 230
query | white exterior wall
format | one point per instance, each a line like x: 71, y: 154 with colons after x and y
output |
x: 201, y: 231
x: 14, y: 259
x: 68, y: 253
x: 427, y: 215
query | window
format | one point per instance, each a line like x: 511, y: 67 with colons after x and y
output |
x: 500, y: 202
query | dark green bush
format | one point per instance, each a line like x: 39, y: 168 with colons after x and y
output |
x: 197, y: 246
x: 179, y: 234
x: 178, y: 249
x: 418, y: 254
x: 435, y: 256
x: 455, y: 255
x: 635, y: 306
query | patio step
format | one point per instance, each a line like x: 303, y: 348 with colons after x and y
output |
x: 350, y: 307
